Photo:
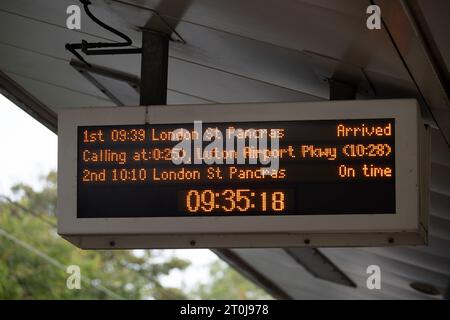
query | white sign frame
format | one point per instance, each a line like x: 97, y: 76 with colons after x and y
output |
x: 407, y: 227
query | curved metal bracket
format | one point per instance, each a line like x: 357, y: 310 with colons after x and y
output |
x: 86, y: 47
x: 104, y: 48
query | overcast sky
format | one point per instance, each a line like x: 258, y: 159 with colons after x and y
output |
x: 28, y: 150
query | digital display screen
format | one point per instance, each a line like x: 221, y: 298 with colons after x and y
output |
x: 278, y: 168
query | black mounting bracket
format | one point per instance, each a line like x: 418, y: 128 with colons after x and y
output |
x: 155, y: 53
x: 340, y: 90
x: 87, y: 47
x: 105, y: 48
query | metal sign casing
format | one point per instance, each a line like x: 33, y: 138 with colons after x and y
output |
x: 408, y: 225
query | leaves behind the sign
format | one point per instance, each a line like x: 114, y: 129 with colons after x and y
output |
x: 34, y: 259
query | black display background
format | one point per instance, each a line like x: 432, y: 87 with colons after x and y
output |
x: 317, y: 194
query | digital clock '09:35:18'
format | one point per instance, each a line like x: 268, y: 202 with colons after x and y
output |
x: 235, y: 200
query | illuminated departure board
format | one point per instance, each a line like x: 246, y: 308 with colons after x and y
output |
x: 244, y: 175
x: 282, y: 168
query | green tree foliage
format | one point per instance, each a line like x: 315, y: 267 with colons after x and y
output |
x: 33, y: 258
x: 227, y: 284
